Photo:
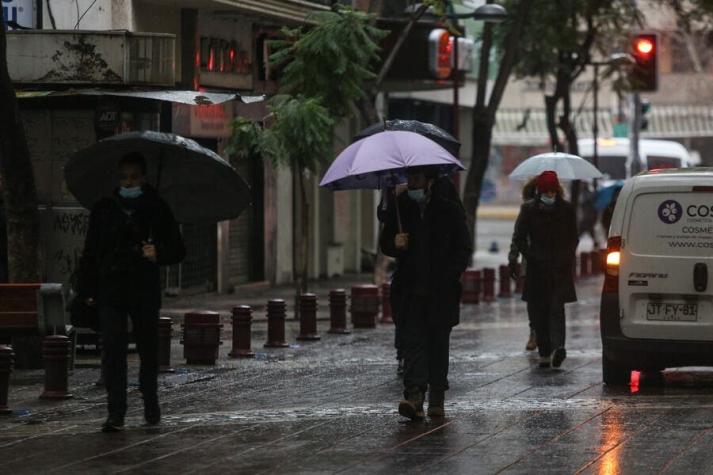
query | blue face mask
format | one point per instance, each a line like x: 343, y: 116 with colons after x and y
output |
x: 547, y: 200
x: 130, y: 192
x: 419, y: 196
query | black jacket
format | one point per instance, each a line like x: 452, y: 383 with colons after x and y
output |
x: 439, y: 251
x: 112, y: 269
x: 547, y: 238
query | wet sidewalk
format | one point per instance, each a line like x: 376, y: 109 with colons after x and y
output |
x: 330, y: 407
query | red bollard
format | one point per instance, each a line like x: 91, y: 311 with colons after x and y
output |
x: 505, y: 288
x: 584, y: 265
x: 488, y: 285
x: 471, y: 281
x: 338, y: 312
x: 55, y: 352
x: 596, y: 263
x: 164, y: 344
x: 242, y: 321
x: 276, y: 314
x: 365, y: 305
x: 520, y: 281
x: 7, y: 357
x: 201, y: 337
x: 386, y: 316
x: 308, y: 318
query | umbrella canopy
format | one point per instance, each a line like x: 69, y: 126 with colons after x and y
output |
x: 605, y: 195
x: 568, y: 167
x: 437, y: 134
x: 382, y: 159
x: 198, y: 185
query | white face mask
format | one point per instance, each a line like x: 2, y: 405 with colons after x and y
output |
x: 130, y: 192
x: 549, y: 201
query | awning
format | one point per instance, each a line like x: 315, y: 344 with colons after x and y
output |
x: 200, y: 98
x: 529, y: 126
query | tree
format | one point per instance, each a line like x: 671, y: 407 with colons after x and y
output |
x: 20, y: 194
x: 324, y: 69
x: 484, y: 109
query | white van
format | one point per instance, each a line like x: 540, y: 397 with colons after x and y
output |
x: 657, y: 301
x: 653, y: 154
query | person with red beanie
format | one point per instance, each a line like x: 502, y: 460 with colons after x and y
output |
x: 546, y: 236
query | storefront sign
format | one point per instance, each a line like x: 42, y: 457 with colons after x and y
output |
x: 21, y: 12
x: 225, y: 57
x: 213, y: 121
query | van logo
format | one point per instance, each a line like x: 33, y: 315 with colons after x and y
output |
x: 670, y: 211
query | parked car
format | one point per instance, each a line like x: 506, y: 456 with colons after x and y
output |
x: 657, y: 300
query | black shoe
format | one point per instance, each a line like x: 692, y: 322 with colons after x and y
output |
x: 400, y: 367
x: 152, y: 412
x: 558, y: 356
x: 544, y: 362
x: 113, y: 424
x: 412, y: 404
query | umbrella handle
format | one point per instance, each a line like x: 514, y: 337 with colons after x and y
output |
x: 398, y: 211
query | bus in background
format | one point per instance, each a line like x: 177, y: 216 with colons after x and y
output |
x: 653, y: 154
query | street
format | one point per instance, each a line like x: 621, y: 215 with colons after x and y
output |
x: 330, y: 406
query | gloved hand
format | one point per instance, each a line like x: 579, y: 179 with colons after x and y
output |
x: 514, y: 274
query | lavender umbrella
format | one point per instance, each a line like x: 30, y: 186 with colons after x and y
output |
x: 381, y: 160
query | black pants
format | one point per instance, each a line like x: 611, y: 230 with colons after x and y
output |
x: 424, y: 340
x: 114, y: 332
x: 547, y: 313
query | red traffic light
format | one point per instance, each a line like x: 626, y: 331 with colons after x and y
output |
x: 643, y: 46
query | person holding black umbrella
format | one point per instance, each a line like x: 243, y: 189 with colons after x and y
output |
x: 131, y: 233
x: 427, y: 235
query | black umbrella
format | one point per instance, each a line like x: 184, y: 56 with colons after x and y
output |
x: 198, y: 184
x: 437, y: 134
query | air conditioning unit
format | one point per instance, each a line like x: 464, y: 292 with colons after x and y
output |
x: 91, y: 57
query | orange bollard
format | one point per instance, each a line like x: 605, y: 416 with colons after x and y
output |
x: 7, y: 357
x: 201, y: 337
x: 308, y: 318
x: 386, y: 316
x: 471, y: 281
x: 488, y: 285
x: 242, y: 321
x: 338, y: 312
x: 164, y: 344
x: 365, y: 305
x: 276, y: 314
x: 505, y: 288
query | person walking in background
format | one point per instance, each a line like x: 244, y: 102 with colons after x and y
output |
x: 427, y: 235
x: 529, y: 192
x: 131, y: 233
x: 546, y: 236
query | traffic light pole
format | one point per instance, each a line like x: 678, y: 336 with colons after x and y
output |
x: 633, y: 165
x: 595, y: 125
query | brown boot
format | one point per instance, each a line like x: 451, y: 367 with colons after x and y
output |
x: 412, y: 404
x: 435, y: 403
x: 531, y: 342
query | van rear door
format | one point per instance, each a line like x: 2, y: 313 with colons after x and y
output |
x: 666, y: 278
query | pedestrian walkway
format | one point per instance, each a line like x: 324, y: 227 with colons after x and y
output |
x: 330, y: 407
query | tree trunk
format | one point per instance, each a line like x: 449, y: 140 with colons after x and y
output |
x: 19, y: 182
x: 482, y: 135
x: 304, y: 237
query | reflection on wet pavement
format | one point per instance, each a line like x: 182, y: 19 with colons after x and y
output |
x: 330, y: 407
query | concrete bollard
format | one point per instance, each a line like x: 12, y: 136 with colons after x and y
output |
x: 56, y: 353
x: 520, y: 281
x: 338, y: 312
x: 365, y: 305
x: 584, y: 265
x: 471, y: 281
x: 488, y: 285
x: 164, y: 344
x: 242, y: 322
x: 308, y: 318
x: 596, y: 263
x: 505, y: 291
x: 7, y: 358
x: 201, y: 337
x: 276, y: 314
x: 386, y: 314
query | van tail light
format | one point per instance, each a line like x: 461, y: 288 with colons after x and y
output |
x: 611, y: 279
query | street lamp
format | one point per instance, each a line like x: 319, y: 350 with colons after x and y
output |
x: 614, y: 60
x: 488, y: 13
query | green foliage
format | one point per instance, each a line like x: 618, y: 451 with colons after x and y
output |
x: 331, y: 60
x: 245, y: 141
x: 579, y: 28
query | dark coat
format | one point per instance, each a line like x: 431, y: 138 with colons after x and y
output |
x: 547, y: 238
x: 439, y: 251
x: 112, y: 269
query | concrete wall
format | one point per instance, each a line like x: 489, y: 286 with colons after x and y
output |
x: 102, y: 15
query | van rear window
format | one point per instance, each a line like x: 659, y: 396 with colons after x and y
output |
x: 671, y: 224
x: 659, y: 162
x: 612, y: 166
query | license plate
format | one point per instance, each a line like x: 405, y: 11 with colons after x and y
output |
x: 672, y: 312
